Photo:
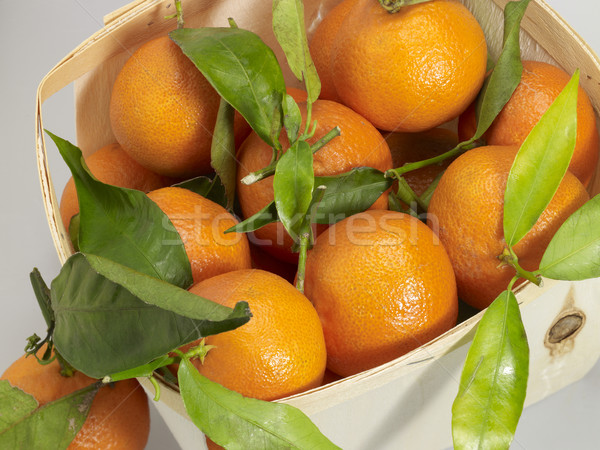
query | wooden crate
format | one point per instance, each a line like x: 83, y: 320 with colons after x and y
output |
x: 399, y: 403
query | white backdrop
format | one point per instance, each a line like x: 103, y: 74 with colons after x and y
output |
x: 34, y: 36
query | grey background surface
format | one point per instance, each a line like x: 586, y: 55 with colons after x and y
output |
x: 34, y: 36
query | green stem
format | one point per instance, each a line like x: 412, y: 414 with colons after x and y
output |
x: 408, y: 167
x: 393, y: 6
x: 509, y: 257
x: 304, y: 241
x: 270, y: 169
x: 178, y: 14
x: 408, y: 196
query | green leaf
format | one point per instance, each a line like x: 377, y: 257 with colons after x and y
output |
x: 292, y: 118
x: 222, y: 152
x: 52, y: 426
x: 264, y: 217
x: 349, y: 193
x: 574, y: 251
x: 293, y: 184
x: 493, y: 383
x: 290, y: 31
x: 506, y: 75
x: 238, y: 422
x: 110, y: 318
x: 540, y: 164
x: 243, y: 70
x: 125, y: 225
x: 210, y: 188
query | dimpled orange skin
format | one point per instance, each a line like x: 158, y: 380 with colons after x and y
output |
x: 359, y: 144
x: 201, y: 223
x: 412, y: 70
x: 119, y: 417
x: 382, y: 285
x: 279, y: 352
x: 163, y: 111
x: 321, y: 45
x: 540, y: 85
x: 466, y: 211
x: 111, y: 165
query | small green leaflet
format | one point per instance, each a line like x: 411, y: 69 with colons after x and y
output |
x: 493, y: 383
x: 109, y: 318
x: 292, y: 118
x: 210, y: 188
x: 125, y: 225
x: 293, y: 184
x: 574, y: 251
x: 243, y: 70
x: 264, y: 217
x: 290, y: 31
x: 238, y: 422
x: 50, y: 427
x: 540, y: 164
x: 506, y: 74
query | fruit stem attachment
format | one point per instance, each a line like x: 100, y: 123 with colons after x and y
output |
x: 393, y: 6
x: 509, y: 257
x: 270, y: 169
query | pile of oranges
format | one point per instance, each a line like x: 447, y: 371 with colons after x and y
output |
x: 401, y: 87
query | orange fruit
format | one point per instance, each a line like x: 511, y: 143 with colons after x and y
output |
x: 466, y: 211
x: 279, y: 352
x: 321, y: 44
x: 163, y: 111
x: 298, y: 95
x: 359, y: 144
x: 412, y: 70
x: 540, y: 85
x: 111, y: 165
x: 413, y: 147
x: 201, y: 223
x: 118, y: 418
x: 382, y: 285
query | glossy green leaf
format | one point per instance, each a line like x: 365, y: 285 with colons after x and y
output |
x: 110, y: 318
x: 574, y: 251
x: 506, y: 74
x: 53, y: 426
x: 243, y: 70
x: 290, y: 31
x: 237, y: 422
x: 125, y: 225
x: 493, y: 383
x: 540, y: 164
x: 210, y: 188
x: 293, y: 184
x: 349, y: 193
x: 222, y: 153
x: 292, y: 118
x: 264, y: 217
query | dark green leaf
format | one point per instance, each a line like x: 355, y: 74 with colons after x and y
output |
x: 493, y: 383
x: 125, y: 225
x: 426, y: 196
x: 540, y: 164
x: 243, y: 70
x: 74, y: 231
x: 292, y: 118
x: 238, y: 422
x: 290, y: 31
x: 110, y: 318
x: 42, y: 294
x: 222, y: 153
x: 574, y: 251
x: 52, y: 426
x: 210, y: 188
x: 506, y: 74
x: 293, y: 184
x: 349, y: 193
x: 264, y: 217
